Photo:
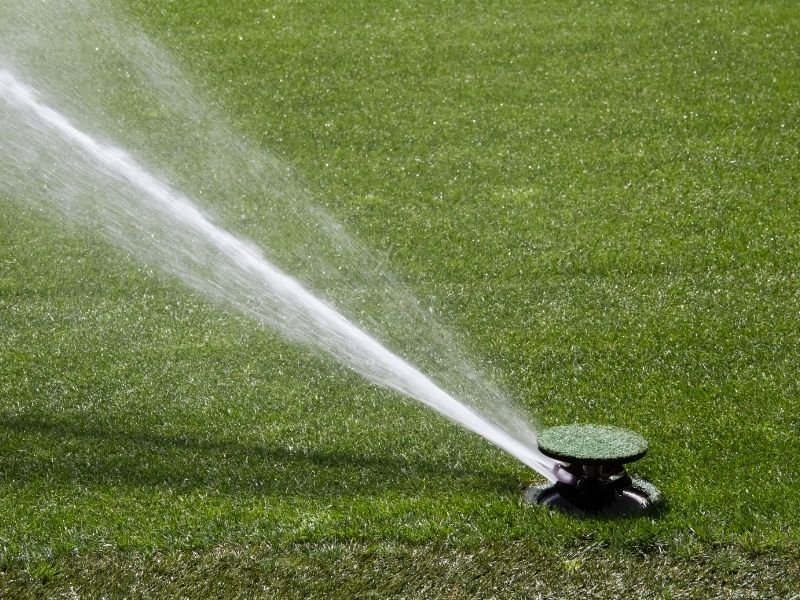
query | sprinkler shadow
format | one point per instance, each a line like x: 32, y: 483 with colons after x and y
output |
x: 61, y: 451
x: 654, y: 512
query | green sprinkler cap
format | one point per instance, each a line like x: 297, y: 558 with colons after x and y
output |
x: 589, y: 444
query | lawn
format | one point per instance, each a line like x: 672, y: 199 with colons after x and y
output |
x: 602, y: 200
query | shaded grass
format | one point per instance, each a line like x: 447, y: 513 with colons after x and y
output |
x: 390, y: 570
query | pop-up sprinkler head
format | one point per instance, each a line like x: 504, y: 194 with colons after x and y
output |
x: 593, y: 459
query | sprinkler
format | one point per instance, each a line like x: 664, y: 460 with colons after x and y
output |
x: 591, y: 477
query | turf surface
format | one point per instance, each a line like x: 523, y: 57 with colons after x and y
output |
x: 603, y: 198
x: 592, y: 444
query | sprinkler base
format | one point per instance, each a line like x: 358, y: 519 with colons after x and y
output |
x: 630, y: 497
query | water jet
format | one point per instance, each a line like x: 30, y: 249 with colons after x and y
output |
x: 592, y: 479
x: 145, y: 215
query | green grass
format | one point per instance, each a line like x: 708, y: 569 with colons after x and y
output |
x: 601, y: 196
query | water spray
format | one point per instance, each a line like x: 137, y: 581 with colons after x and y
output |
x: 583, y: 463
x: 145, y: 215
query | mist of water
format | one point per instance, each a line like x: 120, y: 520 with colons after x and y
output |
x: 50, y: 159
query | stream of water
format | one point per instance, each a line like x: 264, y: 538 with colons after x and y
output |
x: 49, y: 159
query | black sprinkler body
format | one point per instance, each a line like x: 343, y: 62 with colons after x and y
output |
x: 591, y: 473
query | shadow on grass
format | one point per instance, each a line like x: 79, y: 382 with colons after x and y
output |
x: 36, y: 447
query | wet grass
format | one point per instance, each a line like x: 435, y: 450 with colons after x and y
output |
x: 602, y: 197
